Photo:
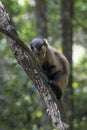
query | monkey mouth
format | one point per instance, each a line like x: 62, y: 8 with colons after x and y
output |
x: 41, y: 55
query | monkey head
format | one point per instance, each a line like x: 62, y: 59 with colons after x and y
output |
x: 39, y: 48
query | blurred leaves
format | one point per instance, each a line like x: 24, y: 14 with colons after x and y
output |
x: 20, y: 105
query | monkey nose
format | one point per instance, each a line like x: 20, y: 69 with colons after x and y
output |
x: 40, y: 55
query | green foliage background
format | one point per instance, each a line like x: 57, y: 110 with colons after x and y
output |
x: 20, y: 104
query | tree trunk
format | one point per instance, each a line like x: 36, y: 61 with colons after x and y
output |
x: 67, y: 41
x: 41, y: 18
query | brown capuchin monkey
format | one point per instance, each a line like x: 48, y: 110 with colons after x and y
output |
x: 54, y: 65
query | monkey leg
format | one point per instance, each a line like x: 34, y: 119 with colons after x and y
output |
x: 61, y: 79
x: 56, y: 89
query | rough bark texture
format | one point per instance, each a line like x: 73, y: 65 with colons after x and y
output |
x: 26, y: 59
x: 67, y: 41
x: 41, y: 18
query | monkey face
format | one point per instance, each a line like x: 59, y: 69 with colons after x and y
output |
x: 40, y: 53
x: 38, y: 47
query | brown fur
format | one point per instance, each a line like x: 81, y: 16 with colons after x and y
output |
x: 61, y: 65
x: 54, y: 64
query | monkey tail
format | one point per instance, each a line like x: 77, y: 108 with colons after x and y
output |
x: 63, y: 114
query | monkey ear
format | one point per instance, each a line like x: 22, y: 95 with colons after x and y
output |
x: 31, y: 47
x: 45, y: 42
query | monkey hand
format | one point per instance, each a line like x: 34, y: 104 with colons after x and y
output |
x: 56, y: 89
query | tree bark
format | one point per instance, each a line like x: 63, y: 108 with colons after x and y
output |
x: 67, y: 42
x: 41, y: 18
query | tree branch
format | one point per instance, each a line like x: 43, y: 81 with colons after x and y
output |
x: 27, y: 60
